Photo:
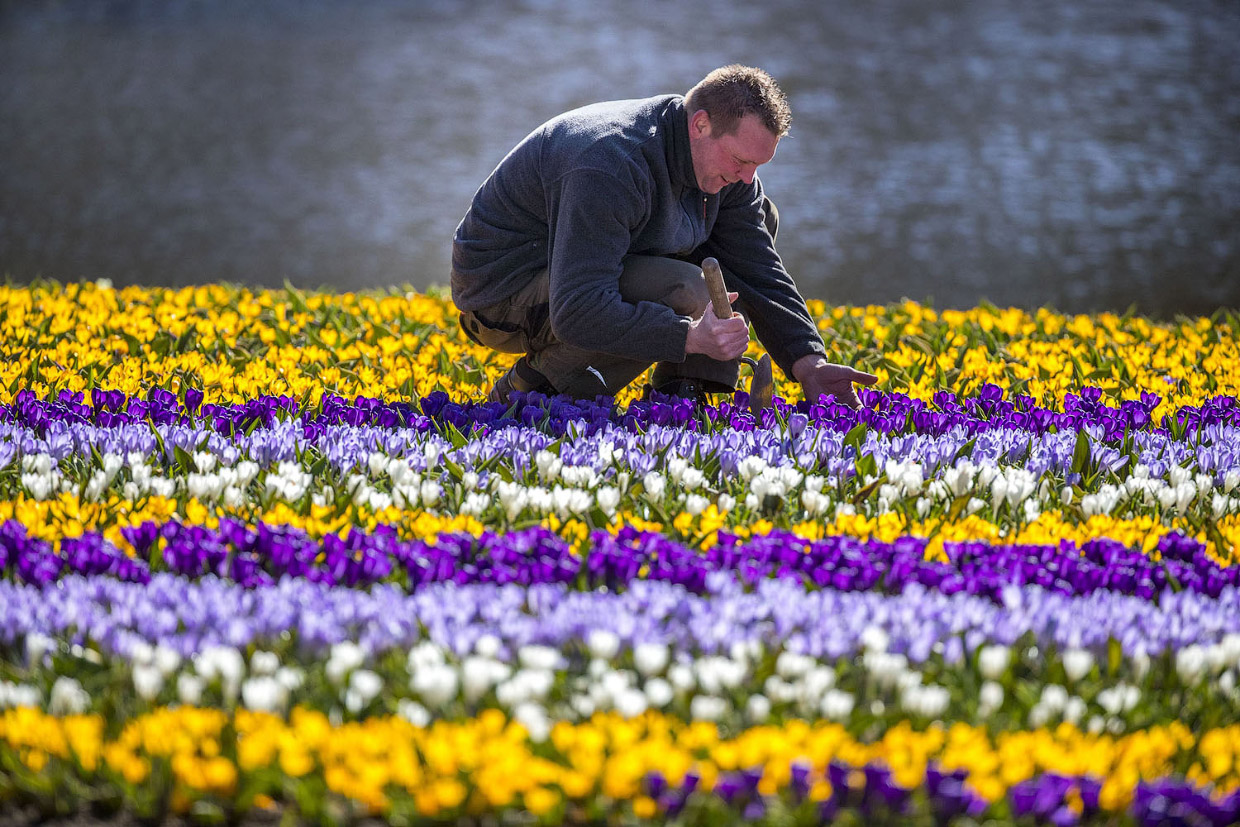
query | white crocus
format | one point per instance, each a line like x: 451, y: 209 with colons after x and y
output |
x: 68, y: 697
x: 695, y: 504
x: 608, y: 500
x: 479, y: 674
x: 424, y: 654
x: 223, y: 663
x: 413, y: 712
x: 681, y: 677
x: 875, y: 639
x: 780, y: 690
x: 1190, y: 663
x: 707, y: 708
x: 488, y: 646
x: 815, y: 503
x: 290, y: 677
x: 758, y: 708
x: 263, y: 693
x: 546, y: 658
x: 990, y: 698
x: 1119, y: 698
x: 655, y: 486
x: 148, y: 681
x: 568, y: 502
x: 548, y: 465
x: 343, y: 659
x: 926, y: 701
x: 960, y: 478
x: 579, y: 476
x: 190, y: 688
x: 603, y: 643
x: 1231, y: 480
x: 630, y: 702
x: 750, y: 467
x: 1054, y: 697
x: 1077, y: 663
x: 650, y: 658
x: 837, y: 704
x: 38, y: 645
x: 659, y: 692
x: 474, y: 505
x: 792, y: 665
x: 436, y: 684
x: 534, y: 718
x: 19, y: 694
x: 993, y: 660
x: 430, y: 492
x: 366, y: 684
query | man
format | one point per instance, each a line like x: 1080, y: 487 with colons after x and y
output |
x: 582, y: 250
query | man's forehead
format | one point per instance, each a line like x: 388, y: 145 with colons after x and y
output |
x: 753, y: 140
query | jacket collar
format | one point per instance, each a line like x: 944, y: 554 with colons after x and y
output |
x: 679, y: 157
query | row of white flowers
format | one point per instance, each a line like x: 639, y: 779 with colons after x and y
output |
x: 539, y: 685
x: 573, y: 490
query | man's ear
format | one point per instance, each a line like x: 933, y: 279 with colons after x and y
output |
x: 700, y: 123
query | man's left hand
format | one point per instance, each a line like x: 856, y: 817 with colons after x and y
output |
x: 818, y: 376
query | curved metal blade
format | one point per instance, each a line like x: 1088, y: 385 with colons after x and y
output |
x: 761, y: 386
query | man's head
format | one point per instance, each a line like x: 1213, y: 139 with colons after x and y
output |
x: 737, y: 114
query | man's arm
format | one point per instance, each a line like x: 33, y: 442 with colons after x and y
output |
x: 770, y: 297
x: 592, y: 219
x: 751, y: 267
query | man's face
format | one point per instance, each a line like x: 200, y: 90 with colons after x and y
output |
x: 719, y: 160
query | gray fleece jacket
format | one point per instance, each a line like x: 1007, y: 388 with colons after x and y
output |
x: 596, y: 184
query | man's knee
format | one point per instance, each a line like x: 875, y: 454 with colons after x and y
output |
x: 668, y: 281
x: 687, y: 294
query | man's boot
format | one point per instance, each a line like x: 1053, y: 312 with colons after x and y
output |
x: 520, y: 377
x: 683, y: 388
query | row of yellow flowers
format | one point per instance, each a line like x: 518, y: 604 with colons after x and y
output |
x: 67, y: 516
x: 234, y: 343
x: 490, y: 763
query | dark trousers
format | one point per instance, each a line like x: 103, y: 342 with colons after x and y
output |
x: 521, y: 324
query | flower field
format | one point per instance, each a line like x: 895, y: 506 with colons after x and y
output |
x: 266, y: 553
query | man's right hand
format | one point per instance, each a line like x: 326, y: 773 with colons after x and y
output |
x: 721, y: 339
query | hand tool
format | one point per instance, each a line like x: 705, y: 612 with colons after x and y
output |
x: 762, y: 382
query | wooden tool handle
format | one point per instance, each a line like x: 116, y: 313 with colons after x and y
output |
x: 714, y: 285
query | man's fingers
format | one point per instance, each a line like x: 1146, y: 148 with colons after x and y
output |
x: 863, y: 378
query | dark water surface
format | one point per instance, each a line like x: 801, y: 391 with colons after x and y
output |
x: 1083, y: 155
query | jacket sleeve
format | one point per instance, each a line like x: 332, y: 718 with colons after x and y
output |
x: 593, y: 218
x: 753, y: 269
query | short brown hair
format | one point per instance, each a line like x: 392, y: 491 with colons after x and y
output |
x: 731, y: 92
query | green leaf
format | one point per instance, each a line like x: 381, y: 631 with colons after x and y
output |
x: 958, y: 506
x: 183, y: 459
x: 860, y: 496
x: 1080, y: 454
x: 867, y: 466
x: 159, y: 443
x: 1115, y: 656
x: 856, y: 436
x: 454, y: 435
x: 965, y: 451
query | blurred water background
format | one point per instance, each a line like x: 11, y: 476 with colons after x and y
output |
x: 1078, y: 154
